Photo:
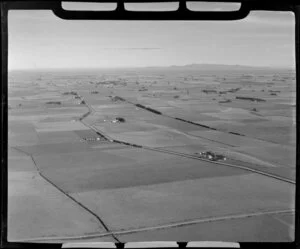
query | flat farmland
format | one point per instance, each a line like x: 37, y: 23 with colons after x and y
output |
x: 113, y: 155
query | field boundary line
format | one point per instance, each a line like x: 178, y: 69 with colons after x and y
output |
x: 68, y: 195
x: 166, y: 226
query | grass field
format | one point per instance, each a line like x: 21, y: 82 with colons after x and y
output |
x: 71, y: 162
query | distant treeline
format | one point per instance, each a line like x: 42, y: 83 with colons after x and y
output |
x: 209, y: 91
x: 233, y: 90
x: 148, y: 109
x: 191, y: 122
x: 70, y: 93
x: 250, y: 99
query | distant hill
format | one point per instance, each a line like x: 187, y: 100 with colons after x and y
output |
x: 220, y: 66
x: 212, y: 67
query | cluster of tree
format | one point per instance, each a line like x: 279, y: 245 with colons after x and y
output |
x: 225, y: 101
x: 116, y: 98
x: 142, y: 89
x: 70, y: 93
x: 233, y: 90
x: 209, y: 91
x: 53, y: 103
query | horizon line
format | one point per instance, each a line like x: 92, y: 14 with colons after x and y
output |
x: 158, y: 66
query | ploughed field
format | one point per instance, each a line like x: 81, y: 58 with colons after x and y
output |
x: 113, y: 155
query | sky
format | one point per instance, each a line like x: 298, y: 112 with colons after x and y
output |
x: 40, y: 40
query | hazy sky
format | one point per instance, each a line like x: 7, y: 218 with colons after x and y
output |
x: 39, y: 39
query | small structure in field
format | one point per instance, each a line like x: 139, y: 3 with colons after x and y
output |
x: 118, y: 120
x: 92, y: 139
x: 209, y: 155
